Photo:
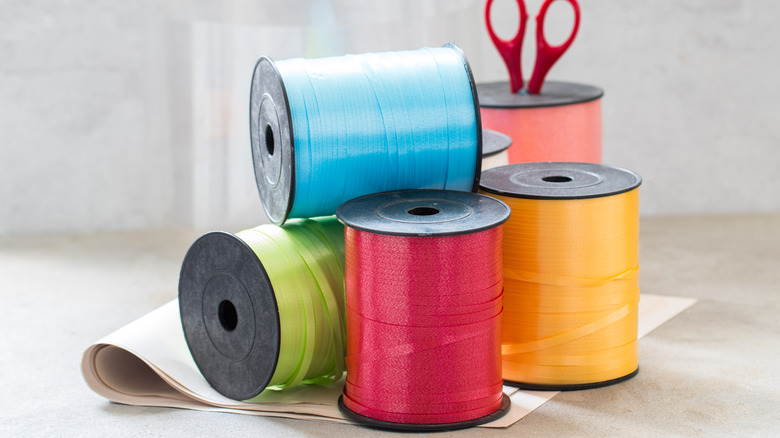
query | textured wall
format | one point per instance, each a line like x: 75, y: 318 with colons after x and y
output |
x: 82, y: 117
x: 127, y: 115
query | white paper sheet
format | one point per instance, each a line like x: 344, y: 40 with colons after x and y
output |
x: 147, y: 363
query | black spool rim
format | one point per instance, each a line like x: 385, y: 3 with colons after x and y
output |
x: 241, y: 376
x: 494, y: 142
x: 585, y: 180
x: 571, y: 387
x: 390, y: 213
x: 477, y: 114
x: 506, y: 404
x: 553, y: 93
x: 277, y: 199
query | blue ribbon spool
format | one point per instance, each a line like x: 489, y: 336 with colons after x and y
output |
x: 328, y: 130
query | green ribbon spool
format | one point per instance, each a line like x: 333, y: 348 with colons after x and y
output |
x: 264, y: 309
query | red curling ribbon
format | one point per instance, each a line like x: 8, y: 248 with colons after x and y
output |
x: 424, y: 326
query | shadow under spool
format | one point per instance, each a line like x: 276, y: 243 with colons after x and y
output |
x: 273, y: 138
x: 559, y: 182
x: 229, y: 315
x: 427, y: 214
x: 562, y: 123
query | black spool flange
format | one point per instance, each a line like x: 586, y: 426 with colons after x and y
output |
x: 423, y: 213
x: 553, y: 93
x: 494, y: 142
x: 229, y: 315
x: 571, y: 387
x: 558, y: 180
x: 506, y: 403
x: 272, y: 141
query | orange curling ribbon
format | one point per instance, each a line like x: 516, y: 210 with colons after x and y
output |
x: 570, y: 290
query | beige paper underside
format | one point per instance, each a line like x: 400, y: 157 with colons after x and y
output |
x: 147, y: 363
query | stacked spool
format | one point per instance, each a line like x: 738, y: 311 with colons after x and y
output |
x: 570, y: 273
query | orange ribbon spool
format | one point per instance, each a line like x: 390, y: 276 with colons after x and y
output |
x: 570, y: 274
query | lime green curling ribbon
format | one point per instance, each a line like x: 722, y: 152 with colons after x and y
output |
x: 304, y: 261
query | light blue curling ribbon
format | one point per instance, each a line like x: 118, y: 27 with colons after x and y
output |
x: 370, y: 123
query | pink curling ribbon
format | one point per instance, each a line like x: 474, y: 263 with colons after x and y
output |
x: 424, y: 326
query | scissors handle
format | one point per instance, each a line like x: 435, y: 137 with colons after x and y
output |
x: 511, y: 50
x: 547, y: 55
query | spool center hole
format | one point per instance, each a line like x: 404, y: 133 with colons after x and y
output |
x: 228, y: 316
x: 269, y: 139
x: 423, y: 211
x: 556, y: 179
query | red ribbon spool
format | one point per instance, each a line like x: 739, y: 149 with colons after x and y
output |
x: 424, y: 310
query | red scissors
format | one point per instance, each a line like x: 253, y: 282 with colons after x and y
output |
x: 546, y: 55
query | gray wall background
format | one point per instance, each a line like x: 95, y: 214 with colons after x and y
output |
x: 118, y: 115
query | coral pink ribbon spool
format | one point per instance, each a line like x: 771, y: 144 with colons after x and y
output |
x: 562, y: 123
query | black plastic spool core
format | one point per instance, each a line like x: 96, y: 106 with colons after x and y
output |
x: 273, y: 144
x: 553, y: 93
x: 269, y: 139
x: 558, y: 180
x: 506, y: 403
x: 229, y: 315
x: 423, y: 213
x: 494, y: 142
